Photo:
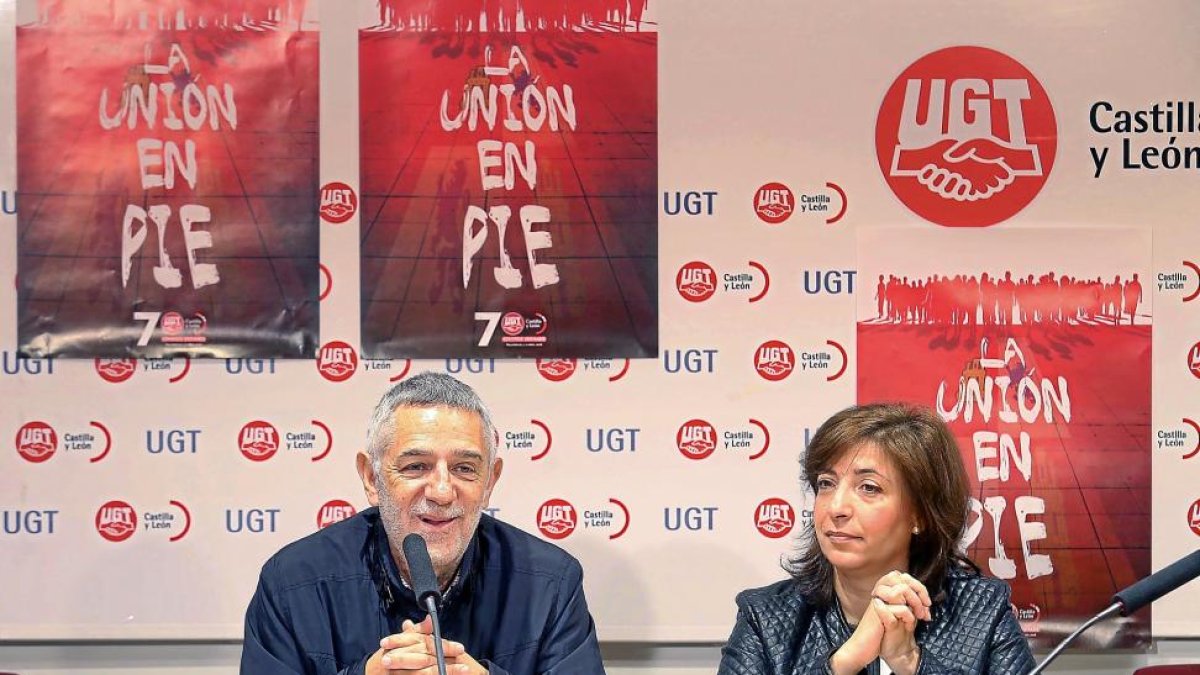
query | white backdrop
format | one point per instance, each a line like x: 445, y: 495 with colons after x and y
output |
x: 750, y: 93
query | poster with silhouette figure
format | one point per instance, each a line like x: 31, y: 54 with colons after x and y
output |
x: 509, y: 177
x: 1040, y: 364
x: 167, y: 177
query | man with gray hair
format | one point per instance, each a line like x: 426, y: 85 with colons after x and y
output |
x: 339, y: 602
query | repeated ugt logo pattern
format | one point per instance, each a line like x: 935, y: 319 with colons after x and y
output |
x: 258, y: 441
x: 115, y: 370
x: 696, y: 281
x: 774, y: 518
x: 116, y: 521
x: 338, y: 202
x: 36, y: 442
x: 334, y: 511
x: 774, y: 360
x: 556, y: 370
x: 696, y: 439
x: 966, y: 137
x: 556, y: 519
x: 337, y: 361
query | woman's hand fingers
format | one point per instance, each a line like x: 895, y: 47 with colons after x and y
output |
x: 898, y: 588
x: 919, y: 587
x: 894, y: 616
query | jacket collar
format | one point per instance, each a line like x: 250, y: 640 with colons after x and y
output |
x: 392, y: 586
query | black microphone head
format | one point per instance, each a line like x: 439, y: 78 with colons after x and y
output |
x: 1159, y: 584
x: 420, y: 569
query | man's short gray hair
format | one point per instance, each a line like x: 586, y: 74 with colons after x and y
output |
x: 425, y: 390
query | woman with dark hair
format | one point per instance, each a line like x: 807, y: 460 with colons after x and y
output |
x: 879, y: 583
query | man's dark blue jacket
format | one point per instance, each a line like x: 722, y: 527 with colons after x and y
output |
x: 324, y: 602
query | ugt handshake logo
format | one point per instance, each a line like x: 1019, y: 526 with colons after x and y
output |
x: 966, y: 171
x: 966, y: 136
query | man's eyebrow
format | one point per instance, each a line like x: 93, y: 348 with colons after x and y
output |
x: 461, y: 453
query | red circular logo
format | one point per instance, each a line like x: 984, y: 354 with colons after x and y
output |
x: 1194, y: 359
x: 966, y: 137
x: 333, y: 511
x: 37, y: 442
x: 696, y: 281
x: 338, y: 202
x: 556, y: 519
x: 116, y: 370
x: 172, y: 323
x: 512, y: 323
x: 1194, y: 517
x: 774, y: 360
x: 337, y: 361
x: 774, y: 518
x: 696, y: 439
x: 556, y: 370
x: 116, y: 521
x: 774, y: 203
x: 258, y: 441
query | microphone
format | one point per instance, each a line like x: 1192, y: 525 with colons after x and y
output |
x: 1137, y: 596
x: 425, y: 586
x: 1159, y: 584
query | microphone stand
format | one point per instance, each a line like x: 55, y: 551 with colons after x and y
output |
x: 1110, y: 611
x: 1140, y: 594
x: 425, y: 587
x: 439, y: 652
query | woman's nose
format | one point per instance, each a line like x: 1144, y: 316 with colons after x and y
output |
x: 839, y: 502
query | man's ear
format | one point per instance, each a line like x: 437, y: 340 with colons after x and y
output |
x: 366, y: 472
x: 497, y: 469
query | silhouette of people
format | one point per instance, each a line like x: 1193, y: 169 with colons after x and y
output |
x: 637, y: 9
x: 1133, y: 296
x: 510, y: 15
x: 962, y: 300
x: 880, y: 297
x: 1006, y: 291
x: 137, y: 15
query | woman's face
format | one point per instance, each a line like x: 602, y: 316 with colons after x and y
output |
x: 863, y: 515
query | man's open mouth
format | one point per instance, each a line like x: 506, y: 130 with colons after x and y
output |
x: 436, y: 521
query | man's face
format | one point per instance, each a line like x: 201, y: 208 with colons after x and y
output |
x: 434, y: 480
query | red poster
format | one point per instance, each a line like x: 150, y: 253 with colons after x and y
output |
x: 167, y: 170
x: 1041, y: 366
x: 509, y: 178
